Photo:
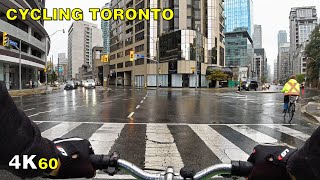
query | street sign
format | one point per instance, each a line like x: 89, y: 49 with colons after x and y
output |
x: 12, y: 43
x: 138, y: 56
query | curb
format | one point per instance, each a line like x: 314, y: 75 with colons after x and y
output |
x: 270, y: 92
x: 308, y: 114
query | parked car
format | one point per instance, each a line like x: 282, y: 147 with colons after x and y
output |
x: 252, y: 85
x: 70, y: 85
x: 90, y: 83
x: 82, y: 82
x: 243, y: 86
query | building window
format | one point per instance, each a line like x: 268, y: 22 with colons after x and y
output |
x: 120, y: 65
x: 112, y: 57
x: 127, y: 52
x: 139, y: 62
x: 139, y: 48
x: 112, y: 66
x: 140, y: 26
x: 139, y: 36
x: 128, y: 63
x: 119, y: 54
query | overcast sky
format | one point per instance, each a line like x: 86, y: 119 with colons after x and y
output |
x: 273, y: 15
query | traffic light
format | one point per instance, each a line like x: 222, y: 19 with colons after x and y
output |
x: 131, y: 55
x: 45, y: 70
x: 5, y: 41
x: 105, y: 58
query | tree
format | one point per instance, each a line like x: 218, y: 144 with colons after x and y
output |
x: 300, y: 78
x: 263, y: 79
x: 313, y: 62
x: 217, y: 75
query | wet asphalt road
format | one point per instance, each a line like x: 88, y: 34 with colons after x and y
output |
x: 199, y: 127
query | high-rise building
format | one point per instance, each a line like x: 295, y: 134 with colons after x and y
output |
x: 302, y: 22
x: 284, y: 62
x: 239, y: 49
x: 63, y: 66
x: 263, y: 64
x: 239, y: 14
x: 32, y: 35
x: 82, y: 37
x: 105, y: 26
x: 257, y: 37
x: 275, y: 70
x: 282, y: 37
x: 177, y: 63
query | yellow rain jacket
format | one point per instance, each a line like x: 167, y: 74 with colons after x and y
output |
x: 291, y: 88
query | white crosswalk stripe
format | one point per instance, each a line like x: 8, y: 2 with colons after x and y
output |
x: 289, y: 131
x: 253, y: 134
x: 219, y: 145
x: 161, y: 151
x: 59, y: 130
x: 103, y: 139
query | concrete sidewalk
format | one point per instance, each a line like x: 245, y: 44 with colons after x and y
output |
x: 312, y: 111
x: 39, y: 90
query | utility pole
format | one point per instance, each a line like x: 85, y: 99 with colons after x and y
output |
x: 45, y: 58
x: 20, y: 83
x: 158, y: 59
x: 197, y: 56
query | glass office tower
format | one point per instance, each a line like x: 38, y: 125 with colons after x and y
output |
x: 238, y: 15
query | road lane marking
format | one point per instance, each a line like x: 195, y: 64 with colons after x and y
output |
x: 161, y: 149
x: 60, y: 130
x: 29, y: 109
x: 104, y: 138
x: 141, y: 101
x: 138, y: 107
x: 218, y: 144
x: 253, y: 134
x: 176, y: 124
x: 106, y: 176
x: 289, y: 131
x: 42, y: 112
x: 51, y: 104
x: 106, y: 102
x: 144, y: 97
x: 131, y: 114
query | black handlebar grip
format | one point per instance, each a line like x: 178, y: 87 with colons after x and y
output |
x: 241, y: 168
x: 100, y: 161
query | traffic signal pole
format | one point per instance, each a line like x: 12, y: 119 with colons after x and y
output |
x: 20, y: 83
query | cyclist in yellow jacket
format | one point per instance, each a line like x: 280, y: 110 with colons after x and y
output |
x: 291, y: 88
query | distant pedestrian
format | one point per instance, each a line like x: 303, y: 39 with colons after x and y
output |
x: 30, y: 83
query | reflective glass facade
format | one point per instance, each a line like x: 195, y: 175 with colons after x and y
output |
x: 239, y: 49
x: 238, y: 15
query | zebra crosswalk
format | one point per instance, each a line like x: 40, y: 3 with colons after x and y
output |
x: 156, y: 146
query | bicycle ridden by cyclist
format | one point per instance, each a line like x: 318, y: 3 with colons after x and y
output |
x: 20, y: 136
x: 291, y: 88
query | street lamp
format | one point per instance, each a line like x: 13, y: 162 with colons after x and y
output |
x: 46, y: 54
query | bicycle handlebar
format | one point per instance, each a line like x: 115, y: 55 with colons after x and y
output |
x: 236, y: 168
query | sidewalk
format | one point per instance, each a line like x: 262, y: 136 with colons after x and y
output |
x: 312, y: 111
x: 39, y: 90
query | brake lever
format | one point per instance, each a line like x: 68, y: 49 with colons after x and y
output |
x: 113, y: 167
